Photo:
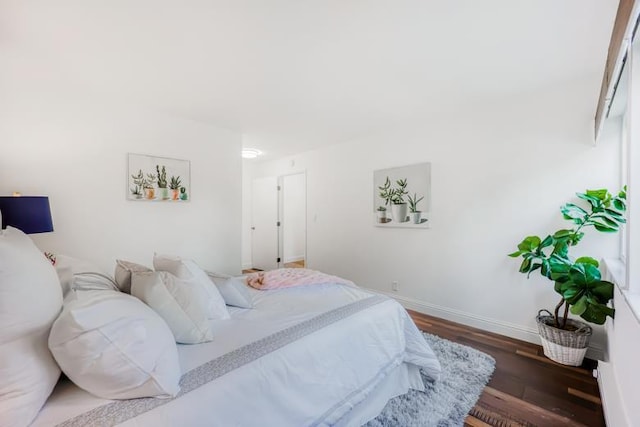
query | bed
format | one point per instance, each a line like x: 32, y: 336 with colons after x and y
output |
x: 311, y: 355
x: 314, y: 355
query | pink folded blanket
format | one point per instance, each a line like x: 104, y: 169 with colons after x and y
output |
x: 289, y: 277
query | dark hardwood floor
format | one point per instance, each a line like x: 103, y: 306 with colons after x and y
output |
x: 526, y: 389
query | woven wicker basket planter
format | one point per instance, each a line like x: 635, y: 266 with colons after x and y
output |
x: 567, y: 347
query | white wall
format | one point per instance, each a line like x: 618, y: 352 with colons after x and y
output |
x: 619, y: 375
x: 74, y: 149
x: 293, y: 217
x: 499, y: 172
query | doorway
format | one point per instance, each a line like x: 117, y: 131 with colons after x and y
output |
x: 293, y: 228
x: 279, y: 228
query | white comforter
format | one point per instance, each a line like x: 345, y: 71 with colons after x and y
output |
x: 315, y: 380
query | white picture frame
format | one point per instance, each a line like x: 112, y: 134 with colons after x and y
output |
x: 417, y: 181
x: 158, y: 179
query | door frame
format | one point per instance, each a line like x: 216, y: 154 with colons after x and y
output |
x: 281, y: 213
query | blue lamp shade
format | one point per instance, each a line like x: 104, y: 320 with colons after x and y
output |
x: 31, y: 214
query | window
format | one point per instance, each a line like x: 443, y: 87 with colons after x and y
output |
x: 632, y: 153
x: 623, y: 124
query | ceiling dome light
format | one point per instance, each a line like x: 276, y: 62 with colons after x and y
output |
x: 250, y: 153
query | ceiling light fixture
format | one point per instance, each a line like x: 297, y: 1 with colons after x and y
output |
x: 250, y: 153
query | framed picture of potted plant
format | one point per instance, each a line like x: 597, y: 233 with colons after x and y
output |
x: 158, y: 179
x: 402, y: 196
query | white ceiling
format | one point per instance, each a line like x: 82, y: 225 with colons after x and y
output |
x: 293, y: 75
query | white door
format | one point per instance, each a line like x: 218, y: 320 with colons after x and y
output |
x: 293, y: 219
x: 264, y: 229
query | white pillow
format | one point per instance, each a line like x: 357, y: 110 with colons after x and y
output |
x: 233, y: 289
x: 77, y: 273
x: 124, y: 270
x: 30, y: 300
x: 77, y: 265
x: 181, y: 303
x: 189, y: 270
x: 65, y: 275
x: 115, y: 347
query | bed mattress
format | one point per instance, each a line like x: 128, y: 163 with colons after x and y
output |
x: 304, y: 356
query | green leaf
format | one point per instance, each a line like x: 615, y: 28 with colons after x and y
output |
x: 607, y: 310
x: 576, y: 238
x: 580, y: 306
x: 533, y: 268
x: 588, y: 260
x: 605, y: 219
x: 601, y: 194
x: 545, y: 270
x: 570, y: 291
x: 602, y: 290
x: 526, y: 264
x: 548, y: 241
x: 615, y: 214
x: 597, y: 313
x: 562, y: 234
x: 515, y: 254
x: 619, y: 204
x: 604, y: 228
x: 561, y: 248
x: 623, y: 193
x: 572, y: 294
x: 583, y: 274
x: 559, y: 268
x: 530, y: 243
x: 573, y: 212
x: 595, y: 202
x: 558, y: 287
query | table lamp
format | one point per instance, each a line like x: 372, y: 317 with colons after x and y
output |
x: 31, y: 214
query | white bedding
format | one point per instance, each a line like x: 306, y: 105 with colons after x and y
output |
x: 334, y: 364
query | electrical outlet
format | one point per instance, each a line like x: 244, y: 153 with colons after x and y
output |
x: 395, y: 286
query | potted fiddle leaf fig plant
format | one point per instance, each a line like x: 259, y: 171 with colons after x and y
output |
x: 578, y: 281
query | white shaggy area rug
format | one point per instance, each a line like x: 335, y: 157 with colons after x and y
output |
x: 446, y: 402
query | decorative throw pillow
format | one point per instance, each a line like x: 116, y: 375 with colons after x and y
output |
x: 233, y: 289
x: 115, y: 347
x: 81, y: 274
x: 188, y: 270
x: 30, y: 300
x: 181, y: 303
x: 123, y: 272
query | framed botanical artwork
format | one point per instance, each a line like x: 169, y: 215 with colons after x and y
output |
x: 402, y: 196
x: 159, y: 179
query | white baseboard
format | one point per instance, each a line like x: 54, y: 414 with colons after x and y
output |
x: 614, y: 413
x: 523, y: 333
